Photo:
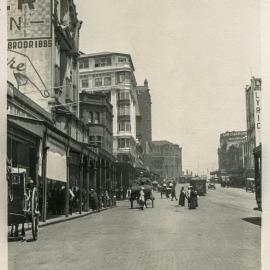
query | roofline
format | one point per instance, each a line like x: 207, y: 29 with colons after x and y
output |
x: 93, y: 55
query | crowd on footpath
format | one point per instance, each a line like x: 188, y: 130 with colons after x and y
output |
x: 57, y: 196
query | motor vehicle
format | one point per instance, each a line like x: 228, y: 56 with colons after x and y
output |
x: 211, y: 186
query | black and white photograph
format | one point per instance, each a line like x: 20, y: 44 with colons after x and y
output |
x: 132, y: 135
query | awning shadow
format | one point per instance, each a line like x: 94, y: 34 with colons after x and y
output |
x: 254, y: 220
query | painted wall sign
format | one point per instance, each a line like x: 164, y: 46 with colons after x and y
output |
x: 30, y: 48
x: 29, y: 19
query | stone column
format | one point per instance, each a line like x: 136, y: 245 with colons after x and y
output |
x: 44, y: 177
x: 87, y: 183
x: 95, y: 175
x: 81, y: 183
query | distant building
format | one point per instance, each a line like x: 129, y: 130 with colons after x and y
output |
x: 230, y: 155
x: 253, y: 116
x: 166, y: 159
x: 144, y: 121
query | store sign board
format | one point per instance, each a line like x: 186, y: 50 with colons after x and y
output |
x: 257, y: 116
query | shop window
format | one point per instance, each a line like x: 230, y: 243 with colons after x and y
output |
x: 107, y: 80
x: 84, y: 63
x: 85, y: 83
x: 103, y: 62
x: 98, y: 81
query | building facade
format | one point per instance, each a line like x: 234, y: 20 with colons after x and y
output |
x: 113, y: 74
x: 144, y: 121
x: 46, y: 138
x: 230, y: 155
x: 96, y: 114
x: 253, y: 118
x: 166, y: 159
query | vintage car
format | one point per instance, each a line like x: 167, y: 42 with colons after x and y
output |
x: 211, y: 186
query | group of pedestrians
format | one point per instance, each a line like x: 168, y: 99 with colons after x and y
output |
x: 191, y: 196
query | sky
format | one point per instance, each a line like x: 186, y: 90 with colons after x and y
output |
x: 198, y: 56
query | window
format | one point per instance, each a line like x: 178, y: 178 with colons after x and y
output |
x: 107, y: 80
x: 90, y: 117
x: 103, y: 62
x: 123, y: 76
x: 124, y: 110
x: 96, y: 117
x: 92, y: 140
x: 98, y: 141
x: 123, y: 95
x: 122, y: 59
x: 85, y: 83
x: 124, y: 126
x: 84, y: 63
x: 98, y: 81
x: 95, y: 140
x: 123, y: 143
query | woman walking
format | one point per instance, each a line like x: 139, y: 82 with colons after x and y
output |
x: 182, y: 197
x: 141, y: 198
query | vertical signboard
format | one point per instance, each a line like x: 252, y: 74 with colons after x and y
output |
x: 30, y: 48
x: 257, y: 116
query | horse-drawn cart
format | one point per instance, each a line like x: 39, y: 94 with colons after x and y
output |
x: 22, y: 203
x: 135, y: 194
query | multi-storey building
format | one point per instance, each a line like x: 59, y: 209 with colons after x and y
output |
x: 230, y: 155
x: 96, y: 114
x: 113, y: 74
x: 166, y: 159
x: 45, y: 136
x: 253, y: 116
x: 144, y: 121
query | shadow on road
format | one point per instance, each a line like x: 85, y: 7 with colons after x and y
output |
x: 254, y: 220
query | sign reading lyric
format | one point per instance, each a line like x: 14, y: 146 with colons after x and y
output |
x: 30, y: 48
x: 257, y: 116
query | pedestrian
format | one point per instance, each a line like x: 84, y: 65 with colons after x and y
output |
x: 93, y: 200
x: 71, y: 198
x: 192, y: 198
x: 173, y: 193
x: 128, y: 196
x: 182, y: 197
x: 141, y: 199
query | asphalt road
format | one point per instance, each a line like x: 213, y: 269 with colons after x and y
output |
x: 221, y: 234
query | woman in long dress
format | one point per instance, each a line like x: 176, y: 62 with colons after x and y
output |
x: 141, y: 198
x: 182, y: 197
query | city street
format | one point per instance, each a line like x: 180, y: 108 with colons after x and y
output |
x: 222, y: 233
